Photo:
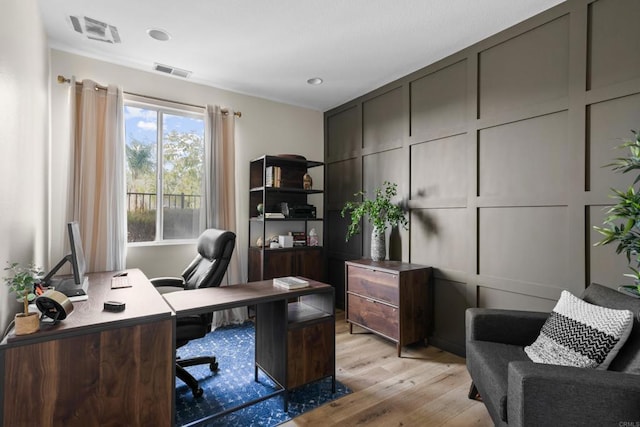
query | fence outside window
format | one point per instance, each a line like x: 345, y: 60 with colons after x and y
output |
x: 140, y: 202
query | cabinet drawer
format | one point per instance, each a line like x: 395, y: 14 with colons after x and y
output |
x: 376, y: 316
x: 374, y: 284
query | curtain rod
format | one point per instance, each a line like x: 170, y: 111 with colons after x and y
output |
x: 63, y: 79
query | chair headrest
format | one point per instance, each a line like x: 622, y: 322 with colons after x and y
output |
x: 212, y: 242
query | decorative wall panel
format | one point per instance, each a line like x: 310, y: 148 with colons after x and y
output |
x: 438, y: 169
x: 528, y: 244
x: 439, y: 238
x: 383, y: 121
x: 614, y: 42
x: 525, y: 70
x: 343, y: 180
x: 448, y: 331
x: 610, y: 122
x: 439, y: 102
x: 525, y: 159
x: 496, y: 298
x: 343, y: 134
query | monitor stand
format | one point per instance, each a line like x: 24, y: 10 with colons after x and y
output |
x: 68, y: 287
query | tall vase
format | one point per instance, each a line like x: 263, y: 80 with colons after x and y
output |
x: 378, y: 247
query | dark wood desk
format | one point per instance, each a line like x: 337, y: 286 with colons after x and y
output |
x: 95, y: 367
x: 295, y: 329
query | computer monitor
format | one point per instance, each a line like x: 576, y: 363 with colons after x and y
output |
x: 76, y: 285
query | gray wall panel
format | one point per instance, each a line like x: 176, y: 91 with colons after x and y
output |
x: 525, y: 243
x: 383, y: 123
x: 436, y: 170
x: 343, y: 180
x: 528, y: 69
x: 440, y: 241
x: 344, y: 136
x: 439, y: 102
x: 614, y: 42
x: 526, y: 158
x: 496, y: 298
x: 610, y: 123
x: 448, y: 313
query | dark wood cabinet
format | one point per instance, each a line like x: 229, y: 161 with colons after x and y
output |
x: 306, y: 352
x: 283, y: 194
x: 306, y: 261
x: 389, y: 298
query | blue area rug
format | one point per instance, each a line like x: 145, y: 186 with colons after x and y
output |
x: 234, y: 384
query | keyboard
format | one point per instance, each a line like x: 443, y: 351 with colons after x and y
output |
x: 120, y: 282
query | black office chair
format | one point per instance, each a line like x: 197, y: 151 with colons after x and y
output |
x: 206, y: 270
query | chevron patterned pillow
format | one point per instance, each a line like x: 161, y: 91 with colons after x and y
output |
x: 581, y: 334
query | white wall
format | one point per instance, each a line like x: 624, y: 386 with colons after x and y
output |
x: 266, y: 127
x: 23, y: 141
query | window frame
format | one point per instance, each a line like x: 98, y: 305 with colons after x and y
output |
x: 162, y: 107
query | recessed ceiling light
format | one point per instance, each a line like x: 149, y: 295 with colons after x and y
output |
x: 157, y: 34
x: 315, y: 81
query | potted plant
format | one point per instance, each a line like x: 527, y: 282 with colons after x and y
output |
x: 381, y: 213
x: 622, y: 224
x: 21, y: 282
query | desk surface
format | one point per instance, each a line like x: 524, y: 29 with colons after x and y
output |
x: 143, y: 303
x: 201, y: 300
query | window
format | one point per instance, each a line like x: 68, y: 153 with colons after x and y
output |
x: 164, y: 153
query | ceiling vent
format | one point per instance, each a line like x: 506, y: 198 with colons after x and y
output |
x: 171, y: 70
x: 94, y: 29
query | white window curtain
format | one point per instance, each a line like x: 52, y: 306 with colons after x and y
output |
x: 219, y: 199
x: 98, y: 185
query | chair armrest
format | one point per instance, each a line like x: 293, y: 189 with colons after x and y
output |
x: 540, y: 394
x: 168, y: 281
x: 504, y: 326
x: 165, y: 285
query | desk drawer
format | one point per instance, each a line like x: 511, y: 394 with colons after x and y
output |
x: 374, y: 315
x: 374, y: 284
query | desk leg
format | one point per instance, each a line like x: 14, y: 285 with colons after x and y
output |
x: 286, y: 400
x: 255, y: 374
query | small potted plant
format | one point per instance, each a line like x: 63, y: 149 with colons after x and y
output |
x: 381, y: 212
x: 21, y: 282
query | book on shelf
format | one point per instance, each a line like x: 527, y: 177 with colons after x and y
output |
x: 299, y: 238
x: 273, y: 176
x: 290, y: 282
x: 273, y: 215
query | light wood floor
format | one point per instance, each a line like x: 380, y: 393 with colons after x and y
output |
x: 425, y: 387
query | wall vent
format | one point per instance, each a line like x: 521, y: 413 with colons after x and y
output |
x: 94, y: 29
x: 171, y: 70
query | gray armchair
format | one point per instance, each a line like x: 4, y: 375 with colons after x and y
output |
x: 519, y: 392
x: 208, y: 268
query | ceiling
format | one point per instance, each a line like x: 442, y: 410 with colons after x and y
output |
x: 270, y: 49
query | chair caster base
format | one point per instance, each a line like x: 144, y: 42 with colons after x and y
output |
x: 198, y: 392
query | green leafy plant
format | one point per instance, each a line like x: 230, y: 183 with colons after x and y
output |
x: 622, y: 223
x: 21, y: 281
x: 380, y: 210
